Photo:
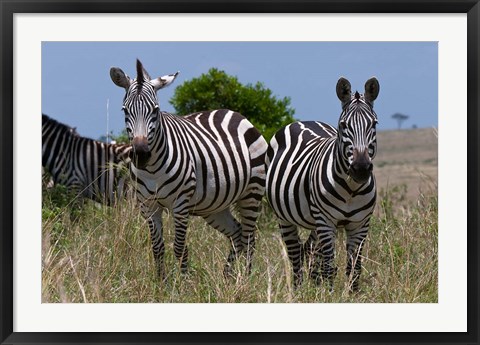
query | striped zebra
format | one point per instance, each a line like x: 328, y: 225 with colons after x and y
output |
x: 93, y: 169
x: 198, y: 165
x: 321, y: 179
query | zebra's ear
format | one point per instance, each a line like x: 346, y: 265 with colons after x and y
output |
x: 344, y: 90
x: 164, y: 81
x: 142, y: 74
x: 119, y: 78
x: 372, y: 88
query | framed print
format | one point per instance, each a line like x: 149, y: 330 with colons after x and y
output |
x: 86, y: 256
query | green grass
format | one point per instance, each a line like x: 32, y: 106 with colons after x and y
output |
x: 99, y: 254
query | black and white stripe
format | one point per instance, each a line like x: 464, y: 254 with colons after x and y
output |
x: 93, y: 169
x: 321, y: 179
x: 198, y: 164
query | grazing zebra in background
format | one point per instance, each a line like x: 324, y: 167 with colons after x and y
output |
x: 91, y: 168
x: 198, y: 164
x: 321, y: 179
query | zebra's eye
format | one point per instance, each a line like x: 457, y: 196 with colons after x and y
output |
x: 125, y: 110
x: 349, y: 152
x: 371, y: 149
x: 343, y: 125
x: 155, y: 112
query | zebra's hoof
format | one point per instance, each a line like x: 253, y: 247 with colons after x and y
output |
x: 184, y: 267
x: 161, y: 275
x: 228, y: 272
x: 354, y: 289
x: 297, y: 282
x: 315, y: 277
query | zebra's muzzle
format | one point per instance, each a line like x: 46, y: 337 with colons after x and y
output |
x: 141, y: 152
x: 360, y: 173
x: 361, y: 168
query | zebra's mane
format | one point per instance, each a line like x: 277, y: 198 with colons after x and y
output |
x: 63, y: 127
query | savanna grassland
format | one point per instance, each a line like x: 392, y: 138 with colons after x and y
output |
x: 92, y: 253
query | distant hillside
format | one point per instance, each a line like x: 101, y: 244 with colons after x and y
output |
x: 407, y: 157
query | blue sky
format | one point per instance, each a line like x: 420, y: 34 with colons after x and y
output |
x: 76, y: 85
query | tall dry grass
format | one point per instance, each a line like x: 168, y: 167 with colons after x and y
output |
x: 99, y: 254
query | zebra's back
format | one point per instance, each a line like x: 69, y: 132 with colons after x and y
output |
x: 291, y: 154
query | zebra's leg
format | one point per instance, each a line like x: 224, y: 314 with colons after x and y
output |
x: 249, y: 204
x: 249, y: 208
x: 313, y: 257
x: 224, y: 222
x: 292, y: 241
x: 180, y: 247
x: 355, y: 239
x: 152, y: 212
x: 326, y: 234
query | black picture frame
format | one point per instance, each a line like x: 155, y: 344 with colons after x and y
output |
x: 10, y: 7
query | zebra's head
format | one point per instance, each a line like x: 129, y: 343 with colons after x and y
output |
x: 141, y: 108
x: 357, y: 128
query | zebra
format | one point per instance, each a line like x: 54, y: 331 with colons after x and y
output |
x: 91, y: 168
x: 194, y: 165
x: 321, y: 179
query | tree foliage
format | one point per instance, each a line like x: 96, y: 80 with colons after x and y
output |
x: 121, y: 138
x: 400, y: 118
x: 218, y: 90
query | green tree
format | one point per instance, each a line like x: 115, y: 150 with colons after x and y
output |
x: 218, y: 90
x: 121, y: 138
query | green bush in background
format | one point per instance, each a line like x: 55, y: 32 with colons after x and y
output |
x: 218, y: 90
